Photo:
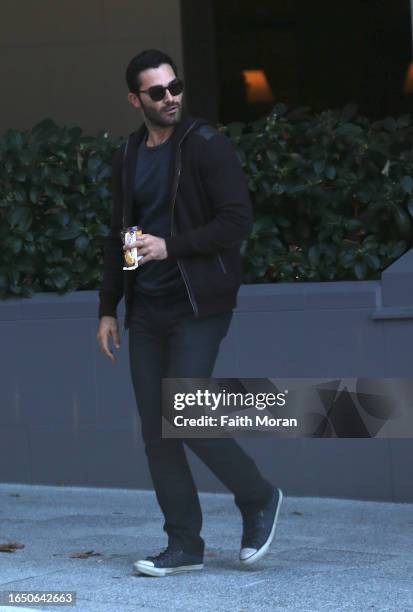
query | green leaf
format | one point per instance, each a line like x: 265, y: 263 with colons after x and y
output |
x: 319, y: 166
x: 407, y: 184
x: 349, y: 129
x: 21, y: 217
x: 20, y: 195
x: 14, y: 276
x: 79, y: 159
x: 63, y: 217
x: 347, y: 258
x: 389, y: 124
x: 94, y: 163
x: 68, y: 233
x: 235, y: 129
x: 314, y: 255
x: 29, y: 248
x: 297, y: 189
x: 279, y: 188
x: 58, y: 199
x: 20, y: 175
x: 16, y: 140
x: 397, y: 249
x: 403, y: 221
x: 59, y: 278
x: 360, y: 270
x: 283, y: 221
x: 16, y: 245
x: 26, y: 157
x: 410, y: 206
x: 61, y: 178
x: 353, y: 224
x: 373, y: 261
x: 34, y: 195
x: 81, y: 243
x: 252, y: 167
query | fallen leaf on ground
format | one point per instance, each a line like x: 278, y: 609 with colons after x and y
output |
x: 10, y: 547
x: 211, y: 553
x: 296, y: 512
x: 84, y: 554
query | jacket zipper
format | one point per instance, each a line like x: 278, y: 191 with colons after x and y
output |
x: 180, y: 263
x: 125, y: 151
x: 222, y: 263
x: 127, y: 306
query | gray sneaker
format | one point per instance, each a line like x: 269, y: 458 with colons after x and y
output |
x: 259, y: 530
x: 169, y: 561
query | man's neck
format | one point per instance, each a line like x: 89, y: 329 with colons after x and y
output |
x: 157, y: 136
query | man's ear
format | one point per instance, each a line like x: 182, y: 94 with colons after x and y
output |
x: 133, y: 99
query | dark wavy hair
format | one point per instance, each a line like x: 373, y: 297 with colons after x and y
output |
x: 150, y: 58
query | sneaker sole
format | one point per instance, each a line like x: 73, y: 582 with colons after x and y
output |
x: 142, y: 568
x: 264, y: 548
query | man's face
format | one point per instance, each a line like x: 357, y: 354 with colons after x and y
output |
x: 156, y: 113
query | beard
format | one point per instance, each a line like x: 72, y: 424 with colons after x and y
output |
x: 158, y: 118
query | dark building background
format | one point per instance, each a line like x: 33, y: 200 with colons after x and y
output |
x: 66, y: 60
x: 320, y: 54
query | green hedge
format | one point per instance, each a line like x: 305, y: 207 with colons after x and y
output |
x: 332, y: 195
x: 54, y: 207
x: 332, y: 192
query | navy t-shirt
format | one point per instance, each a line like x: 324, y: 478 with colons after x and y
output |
x: 153, y: 212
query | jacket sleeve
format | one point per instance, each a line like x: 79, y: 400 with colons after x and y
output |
x: 227, y: 192
x: 111, y: 289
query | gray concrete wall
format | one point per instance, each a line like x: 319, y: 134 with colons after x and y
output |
x: 66, y: 59
x: 68, y: 415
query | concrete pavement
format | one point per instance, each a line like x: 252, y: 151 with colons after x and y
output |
x: 328, y: 555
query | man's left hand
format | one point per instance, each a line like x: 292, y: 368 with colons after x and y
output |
x: 151, y: 247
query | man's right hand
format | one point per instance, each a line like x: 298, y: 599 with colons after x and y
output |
x: 108, y: 326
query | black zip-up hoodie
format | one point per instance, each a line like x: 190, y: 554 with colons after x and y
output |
x: 211, y: 215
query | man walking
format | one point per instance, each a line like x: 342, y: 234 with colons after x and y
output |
x: 180, y: 179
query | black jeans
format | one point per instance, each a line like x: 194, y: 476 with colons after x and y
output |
x: 166, y: 340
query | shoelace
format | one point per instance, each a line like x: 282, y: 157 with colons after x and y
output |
x: 164, y: 554
x: 252, y: 526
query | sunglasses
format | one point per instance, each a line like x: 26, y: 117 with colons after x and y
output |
x: 157, y: 92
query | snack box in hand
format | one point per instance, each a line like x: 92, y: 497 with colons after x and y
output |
x: 131, y: 255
